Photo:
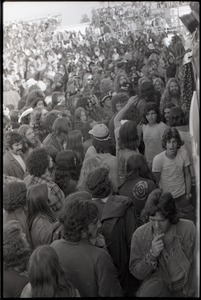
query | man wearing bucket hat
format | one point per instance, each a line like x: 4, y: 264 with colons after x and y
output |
x: 105, y: 150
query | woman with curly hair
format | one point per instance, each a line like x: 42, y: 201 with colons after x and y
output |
x: 40, y: 218
x: 16, y: 253
x: 47, y: 279
x: 79, y: 258
x: 14, y: 204
x: 172, y: 171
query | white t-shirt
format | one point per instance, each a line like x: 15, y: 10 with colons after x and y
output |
x: 172, y: 171
x: 152, y: 140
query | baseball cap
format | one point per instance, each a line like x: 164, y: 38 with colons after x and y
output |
x: 100, y: 132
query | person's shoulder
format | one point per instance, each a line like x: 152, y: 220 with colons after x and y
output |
x: 141, y: 230
x: 160, y: 156
x: 185, y: 225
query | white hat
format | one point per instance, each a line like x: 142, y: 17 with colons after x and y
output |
x: 30, y: 82
x: 100, y: 132
x: 48, y: 99
x: 151, y: 46
x: 41, y: 85
x: 25, y: 113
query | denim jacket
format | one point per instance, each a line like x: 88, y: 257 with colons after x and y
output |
x: 183, y: 247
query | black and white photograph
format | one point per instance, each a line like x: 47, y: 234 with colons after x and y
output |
x: 100, y: 149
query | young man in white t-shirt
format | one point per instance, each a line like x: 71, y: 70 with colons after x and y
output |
x: 172, y: 171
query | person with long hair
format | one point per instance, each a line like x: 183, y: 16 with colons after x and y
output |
x: 152, y: 132
x: 40, y: 218
x: 67, y: 171
x: 172, y: 171
x: 89, y: 268
x: 46, y: 277
x: 16, y: 253
x: 171, y: 93
x: 75, y: 143
x: 163, y: 250
x: 89, y: 165
x: 139, y: 182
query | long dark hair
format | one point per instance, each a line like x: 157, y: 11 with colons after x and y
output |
x: 37, y: 204
x: 46, y: 276
x: 128, y: 136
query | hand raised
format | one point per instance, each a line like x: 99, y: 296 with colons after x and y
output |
x: 157, y: 245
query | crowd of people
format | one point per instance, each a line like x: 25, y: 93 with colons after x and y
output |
x: 99, y: 179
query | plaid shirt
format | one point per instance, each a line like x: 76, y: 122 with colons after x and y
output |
x: 55, y: 194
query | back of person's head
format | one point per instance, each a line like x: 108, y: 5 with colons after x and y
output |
x: 137, y: 166
x: 14, y: 116
x: 89, y: 164
x: 14, y: 196
x: 128, y: 136
x: 164, y: 203
x: 67, y: 161
x: 50, y: 117
x: 51, y: 151
x: 37, y: 203
x: 32, y: 95
x: 119, y: 98
x: 171, y: 133
x: 46, y: 276
x: 11, y: 138
x: 16, y: 250
x: 37, y: 162
x: 98, y: 183
x: 152, y: 106
x: 74, y: 139
x: 23, y: 129
x: 177, y: 117
x: 56, y: 98
x: 60, y: 125
x: 147, y: 90
x: 76, y: 216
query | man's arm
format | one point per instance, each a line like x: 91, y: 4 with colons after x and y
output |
x: 187, y: 175
x: 119, y: 116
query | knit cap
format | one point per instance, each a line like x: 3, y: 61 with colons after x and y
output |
x: 14, y: 195
x: 98, y: 182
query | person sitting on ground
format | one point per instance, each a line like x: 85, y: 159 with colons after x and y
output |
x: 163, y: 250
x: 79, y: 258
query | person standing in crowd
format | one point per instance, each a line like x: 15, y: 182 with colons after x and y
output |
x: 118, y: 218
x: 152, y: 132
x: 139, y: 182
x: 164, y: 251
x: 172, y: 171
x: 30, y: 141
x: 13, y: 163
x: 79, y: 259
x: 37, y: 166
x: 171, y: 94
x: 47, y: 279
x: 16, y: 253
x: 58, y: 137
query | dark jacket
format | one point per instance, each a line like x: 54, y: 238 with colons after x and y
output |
x: 13, y: 283
x: 50, y: 140
x: 89, y: 268
x: 11, y: 167
x: 118, y: 224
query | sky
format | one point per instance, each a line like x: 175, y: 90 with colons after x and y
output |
x: 71, y: 11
